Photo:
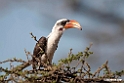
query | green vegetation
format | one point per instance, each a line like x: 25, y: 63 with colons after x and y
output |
x: 58, y: 73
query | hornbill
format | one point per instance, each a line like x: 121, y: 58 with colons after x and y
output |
x: 46, y: 46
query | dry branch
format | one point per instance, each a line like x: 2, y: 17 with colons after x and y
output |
x: 57, y: 73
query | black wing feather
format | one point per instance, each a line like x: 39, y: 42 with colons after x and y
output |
x: 39, y: 50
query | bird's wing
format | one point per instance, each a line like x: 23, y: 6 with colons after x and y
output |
x: 39, y: 50
x: 40, y: 46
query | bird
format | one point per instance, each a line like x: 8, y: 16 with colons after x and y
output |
x: 48, y: 45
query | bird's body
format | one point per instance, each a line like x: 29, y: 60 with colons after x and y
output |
x: 54, y: 37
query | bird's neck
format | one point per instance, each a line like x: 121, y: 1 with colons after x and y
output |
x: 56, y: 34
x: 54, y: 37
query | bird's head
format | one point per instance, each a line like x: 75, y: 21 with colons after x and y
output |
x: 63, y: 24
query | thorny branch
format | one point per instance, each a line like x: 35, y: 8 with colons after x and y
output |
x: 34, y: 37
x: 100, y: 68
x: 62, y: 72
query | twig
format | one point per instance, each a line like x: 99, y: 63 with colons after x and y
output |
x: 12, y: 60
x: 82, y: 66
x: 34, y: 37
x: 78, y: 63
x: 88, y: 69
x: 69, y: 56
x: 27, y: 54
x: 100, y: 68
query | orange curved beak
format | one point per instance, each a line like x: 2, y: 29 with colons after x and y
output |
x: 73, y: 24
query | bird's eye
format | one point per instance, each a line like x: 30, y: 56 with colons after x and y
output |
x: 63, y: 23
